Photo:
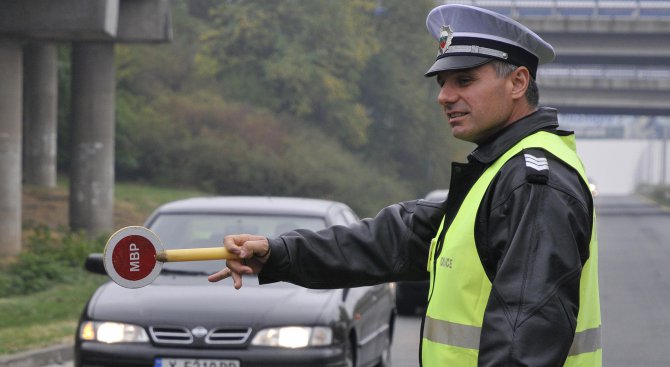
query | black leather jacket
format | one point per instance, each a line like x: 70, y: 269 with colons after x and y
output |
x: 532, y: 234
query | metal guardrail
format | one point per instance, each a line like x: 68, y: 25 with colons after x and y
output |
x: 612, y: 72
x: 629, y: 9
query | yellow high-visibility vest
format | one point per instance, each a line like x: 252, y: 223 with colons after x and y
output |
x: 460, y: 289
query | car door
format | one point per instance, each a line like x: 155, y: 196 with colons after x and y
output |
x: 372, y: 311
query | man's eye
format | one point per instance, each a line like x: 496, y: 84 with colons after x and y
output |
x: 464, y: 81
x: 440, y: 82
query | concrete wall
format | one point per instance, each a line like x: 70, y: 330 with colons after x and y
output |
x: 617, y: 166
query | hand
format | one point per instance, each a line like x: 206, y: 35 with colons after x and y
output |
x: 253, y: 251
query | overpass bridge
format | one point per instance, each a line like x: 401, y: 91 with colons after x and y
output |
x: 612, y: 57
x: 30, y: 31
x: 606, y: 89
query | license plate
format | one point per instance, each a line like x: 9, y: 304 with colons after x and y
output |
x: 185, y: 362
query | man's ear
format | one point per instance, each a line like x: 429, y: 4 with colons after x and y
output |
x: 520, y: 81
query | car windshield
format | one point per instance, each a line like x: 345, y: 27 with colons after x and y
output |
x: 207, y: 230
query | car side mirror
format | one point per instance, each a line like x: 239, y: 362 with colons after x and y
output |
x: 94, y: 263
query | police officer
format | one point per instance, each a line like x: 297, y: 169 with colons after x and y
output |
x: 511, y: 254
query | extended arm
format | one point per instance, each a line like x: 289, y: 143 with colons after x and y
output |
x: 391, y: 246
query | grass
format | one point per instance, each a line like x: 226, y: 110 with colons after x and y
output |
x: 44, y: 318
x: 50, y: 317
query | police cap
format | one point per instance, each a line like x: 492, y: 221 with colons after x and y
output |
x: 469, y: 36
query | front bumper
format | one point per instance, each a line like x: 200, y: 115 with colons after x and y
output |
x: 89, y: 354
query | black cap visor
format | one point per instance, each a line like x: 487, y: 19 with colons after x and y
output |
x: 456, y: 62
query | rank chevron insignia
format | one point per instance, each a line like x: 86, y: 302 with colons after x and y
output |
x: 538, y: 164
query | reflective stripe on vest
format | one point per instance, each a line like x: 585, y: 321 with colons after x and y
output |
x: 466, y: 336
x: 459, y: 288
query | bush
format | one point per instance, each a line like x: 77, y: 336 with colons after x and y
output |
x: 232, y: 149
x: 47, y: 260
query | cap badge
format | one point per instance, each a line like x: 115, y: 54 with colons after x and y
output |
x: 446, y: 35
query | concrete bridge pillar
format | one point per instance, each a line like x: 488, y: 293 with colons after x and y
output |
x: 92, y: 167
x: 10, y: 147
x: 40, y: 108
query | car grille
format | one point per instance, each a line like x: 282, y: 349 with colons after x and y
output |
x: 171, y: 335
x: 228, y: 336
x: 182, y: 335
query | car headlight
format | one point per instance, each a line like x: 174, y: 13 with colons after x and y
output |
x: 294, y: 337
x: 112, y: 332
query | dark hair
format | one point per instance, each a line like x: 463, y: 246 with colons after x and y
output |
x: 504, y: 69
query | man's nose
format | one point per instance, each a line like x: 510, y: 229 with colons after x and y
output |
x: 446, y: 95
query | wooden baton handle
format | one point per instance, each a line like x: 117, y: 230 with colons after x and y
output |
x: 195, y: 254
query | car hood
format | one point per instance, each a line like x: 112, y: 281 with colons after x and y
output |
x: 182, y: 301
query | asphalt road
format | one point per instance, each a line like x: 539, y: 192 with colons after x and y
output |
x: 634, y: 241
x: 405, y: 349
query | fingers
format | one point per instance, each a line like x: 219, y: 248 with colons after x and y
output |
x: 247, y: 246
x: 220, y: 275
x: 257, y: 248
x: 249, y: 249
x: 239, y: 267
x: 237, y: 280
x: 225, y: 273
x: 234, y: 269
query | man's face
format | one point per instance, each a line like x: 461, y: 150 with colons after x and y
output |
x: 476, y: 101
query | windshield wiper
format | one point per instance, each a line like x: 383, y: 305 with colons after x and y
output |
x: 183, y: 272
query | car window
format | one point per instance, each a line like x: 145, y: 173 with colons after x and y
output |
x: 197, y: 230
x: 349, y: 216
x: 207, y: 230
x: 338, y: 218
x: 437, y: 195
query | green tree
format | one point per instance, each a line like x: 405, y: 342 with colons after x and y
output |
x: 294, y: 97
x: 303, y: 58
x: 408, y: 133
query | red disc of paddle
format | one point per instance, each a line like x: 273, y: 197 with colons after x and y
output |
x: 130, y: 257
x: 134, y: 257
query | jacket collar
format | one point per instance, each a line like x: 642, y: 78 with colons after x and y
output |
x: 543, y: 119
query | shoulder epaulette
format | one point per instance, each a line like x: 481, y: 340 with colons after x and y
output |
x: 537, y: 166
